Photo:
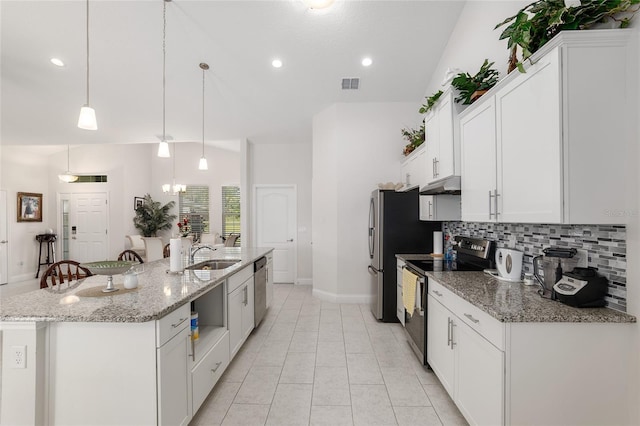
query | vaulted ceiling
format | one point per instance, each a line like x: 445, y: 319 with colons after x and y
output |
x: 245, y: 96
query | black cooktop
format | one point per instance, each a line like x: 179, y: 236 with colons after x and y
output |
x: 444, y: 265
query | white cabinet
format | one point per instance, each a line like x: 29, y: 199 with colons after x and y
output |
x: 468, y: 365
x: 442, y: 139
x: 269, y: 278
x: 240, y: 320
x: 399, y: 302
x: 413, y: 167
x: 174, y: 375
x: 539, y: 145
x: 440, y: 207
x: 207, y: 372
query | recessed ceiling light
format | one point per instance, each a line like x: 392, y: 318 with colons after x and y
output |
x: 276, y: 63
x: 366, y: 62
x: 318, y: 4
x: 57, y: 62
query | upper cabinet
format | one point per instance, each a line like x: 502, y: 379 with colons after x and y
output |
x: 548, y: 146
x: 442, y: 140
x: 413, y: 168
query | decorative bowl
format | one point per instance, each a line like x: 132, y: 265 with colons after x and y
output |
x: 109, y: 267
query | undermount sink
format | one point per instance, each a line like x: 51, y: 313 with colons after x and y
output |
x: 213, y: 265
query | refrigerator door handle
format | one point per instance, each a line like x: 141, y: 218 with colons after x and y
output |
x: 372, y: 229
x: 372, y: 270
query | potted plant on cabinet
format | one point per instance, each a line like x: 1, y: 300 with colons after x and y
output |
x: 537, y: 23
x: 152, y: 217
x: 415, y: 138
x: 470, y: 87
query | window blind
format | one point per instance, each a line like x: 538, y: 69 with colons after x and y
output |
x: 231, y: 211
x: 194, y: 204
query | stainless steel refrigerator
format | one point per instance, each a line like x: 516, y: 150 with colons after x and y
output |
x: 394, y: 228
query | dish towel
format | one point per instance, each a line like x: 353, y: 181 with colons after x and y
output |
x: 409, y: 281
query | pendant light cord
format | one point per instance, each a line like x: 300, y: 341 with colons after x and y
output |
x: 203, y: 112
x: 67, y: 158
x: 164, y: 73
x: 87, y: 52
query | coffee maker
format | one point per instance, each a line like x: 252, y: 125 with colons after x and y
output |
x: 554, y: 261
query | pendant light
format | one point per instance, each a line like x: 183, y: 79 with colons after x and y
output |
x: 174, y: 188
x: 87, y: 119
x: 67, y: 176
x: 203, y: 161
x: 163, y: 148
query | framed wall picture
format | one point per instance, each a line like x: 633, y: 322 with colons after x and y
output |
x: 29, y: 207
x: 137, y: 202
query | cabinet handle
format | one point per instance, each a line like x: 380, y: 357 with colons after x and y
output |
x: 437, y: 167
x: 407, y: 179
x: 472, y: 318
x: 453, y: 343
x: 180, y: 321
x: 495, y: 196
x: 430, y: 215
x: 246, y: 296
x: 437, y: 293
x: 218, y: 364
x: 433, y: 167
x: 449, y: 339
x: 193, y: 348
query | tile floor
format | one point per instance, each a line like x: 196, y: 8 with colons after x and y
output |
x: 318, y: 363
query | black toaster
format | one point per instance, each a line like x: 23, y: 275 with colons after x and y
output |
x: 581, y: 288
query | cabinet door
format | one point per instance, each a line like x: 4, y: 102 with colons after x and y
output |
x: 247, y: 309
x: 479, y: 377
x: 529, y: 147
x: 399, y: 302
x: 445, y: 163
x: 440, y: 354
x: 236, y: 304
x: 478, y: 180
x: 432, y: 140
x: 174, y: 380
x: 426, y: 207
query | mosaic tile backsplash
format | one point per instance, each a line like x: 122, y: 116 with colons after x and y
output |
x: 606, y: 245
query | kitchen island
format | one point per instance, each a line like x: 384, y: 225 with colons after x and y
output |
x: 507, y: 356
x: 125, y: 357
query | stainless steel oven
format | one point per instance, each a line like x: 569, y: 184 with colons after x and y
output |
x: 415, y: 324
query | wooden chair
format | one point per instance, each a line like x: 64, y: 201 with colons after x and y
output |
x: 231, y: 240
x: 166, y: 251
x: 131, y: 256
x: 61, y: 272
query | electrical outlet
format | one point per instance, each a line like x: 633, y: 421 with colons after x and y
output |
x: 19, y: 356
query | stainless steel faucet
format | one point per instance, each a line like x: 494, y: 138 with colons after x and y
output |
x: 195, y: 248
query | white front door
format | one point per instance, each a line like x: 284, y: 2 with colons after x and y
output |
x: 276, y: 216
x: 88, y: 227
x: 4, y: 248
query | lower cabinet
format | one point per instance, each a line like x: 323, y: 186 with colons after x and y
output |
x: 208, y: 371
x: 468, y: 365
x: 241, y: 319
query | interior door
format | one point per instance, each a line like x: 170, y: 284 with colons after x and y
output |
x: 4, y: 248
x: 276, y: 225
x: 88, y: 223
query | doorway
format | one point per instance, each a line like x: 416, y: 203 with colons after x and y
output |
x: 4, y: 243
x: 84, y: 224
x: 276, y: 226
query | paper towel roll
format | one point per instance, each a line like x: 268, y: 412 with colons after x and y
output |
x: 175, y: 257
x: 437, y: 242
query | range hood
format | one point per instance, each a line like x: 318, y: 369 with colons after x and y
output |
x: 408, y: 187
x: 450, y: 185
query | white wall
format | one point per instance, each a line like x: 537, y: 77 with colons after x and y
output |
x: 355, y: 146
x: 473, y: 40
x: 288, y: 163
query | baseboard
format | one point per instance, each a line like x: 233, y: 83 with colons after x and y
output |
x: 304, y: 281
x: 342, y: 298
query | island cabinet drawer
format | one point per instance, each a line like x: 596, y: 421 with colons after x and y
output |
x: 171, y: 324
x: 483, y: 323
x: 236, y: 280
x: 206, y: 374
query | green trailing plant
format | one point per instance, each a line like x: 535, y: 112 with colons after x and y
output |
x: 415, y: 138
x: 469, y: 86
x: 152, y: 217
x: 537, y: 23
x: 431, y: 101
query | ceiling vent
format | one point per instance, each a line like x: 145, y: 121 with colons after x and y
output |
x: 350, y: 83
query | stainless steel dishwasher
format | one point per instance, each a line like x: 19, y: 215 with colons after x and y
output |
x: 260, y: 294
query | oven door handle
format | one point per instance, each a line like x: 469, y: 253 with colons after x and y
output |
x: 421, y: 284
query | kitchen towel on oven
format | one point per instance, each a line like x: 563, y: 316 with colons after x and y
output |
x: 409, y: 281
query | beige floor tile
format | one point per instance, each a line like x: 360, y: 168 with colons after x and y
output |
x: 444, y: 406
x: 351, y: 325
x: 330, y: 316
x: 331, y: 416
x: 240, y: 366
x: 364, y: 370
x: 246, y: 415
x: 308, y: 323
x: 272, y: 353
x: 357, y: 343
x: 291, y: 405
x: 330, y: 332
x: 299, y: 367
x: 404, y: 388
x: 371, y: 405
x: 259, y: 386
x: 330, y: 306
x: 281, y: 331
x: 292, y: 303
x: 331, y: 354
x: 215, y: 407
x: 417, y: 416
x: 304, y: 341
x: 331, y: 386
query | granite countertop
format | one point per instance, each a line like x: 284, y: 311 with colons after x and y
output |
x: 515, y: 302
x: 158, y: 293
